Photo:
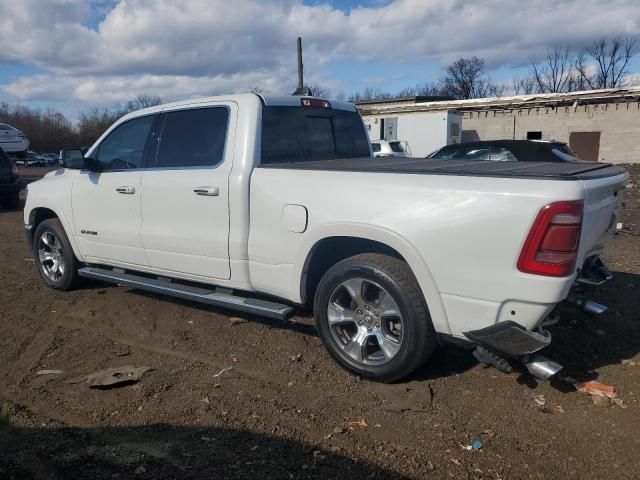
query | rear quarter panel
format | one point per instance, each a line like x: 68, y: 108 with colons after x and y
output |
x: 461, y: 235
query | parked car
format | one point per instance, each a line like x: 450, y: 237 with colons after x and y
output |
x: 50, y: 158
x: 261, y: 204
x: 9, y: 182
x: 13, y: 141
x: 383, y: 148
x: 32, y: 159
x: 508, y: 150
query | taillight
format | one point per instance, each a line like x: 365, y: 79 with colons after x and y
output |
x: 551, y: 247
x: 14, y: 170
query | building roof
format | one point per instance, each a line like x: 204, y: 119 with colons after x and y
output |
x: 539, y: 100
x: 413, y: 99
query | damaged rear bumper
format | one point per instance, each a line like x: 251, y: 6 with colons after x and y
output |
x: 510, y: 339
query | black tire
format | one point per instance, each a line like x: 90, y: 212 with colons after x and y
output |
x: 63, y: 252
x: 11, y: 201
x: 418, y: 338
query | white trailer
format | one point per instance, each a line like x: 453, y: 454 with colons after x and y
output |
x: 420, y: 132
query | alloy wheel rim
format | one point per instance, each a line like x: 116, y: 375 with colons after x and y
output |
x: 365, y: 321
x: 51, y: 256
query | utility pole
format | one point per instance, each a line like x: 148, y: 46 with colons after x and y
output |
x: 301, y: 90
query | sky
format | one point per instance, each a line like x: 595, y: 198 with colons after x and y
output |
x: 77, y: 54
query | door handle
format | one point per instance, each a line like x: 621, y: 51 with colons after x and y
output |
x: 207, y: 191
x: 126, y: 190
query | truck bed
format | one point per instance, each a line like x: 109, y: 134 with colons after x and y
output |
x: 483, y: 168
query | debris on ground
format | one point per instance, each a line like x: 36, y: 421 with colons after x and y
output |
x: 49, y: 372
x: 540, y: 400
x: 112, y: 376
x: 296, y: 358
x: 602, y: 395
x: 357, y: 423
x: 630, y: 363
x: 596, y: 389
x: 222, y: 371
x: 475, y: 445
x: 237, y: 320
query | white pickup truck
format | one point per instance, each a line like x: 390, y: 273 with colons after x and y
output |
x: 266, y: 204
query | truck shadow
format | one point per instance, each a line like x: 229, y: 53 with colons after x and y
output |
x: 582, y: 344
x: 161, y: 451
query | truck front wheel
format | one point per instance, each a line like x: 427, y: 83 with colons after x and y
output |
x: 54, y: 257
x: 372, y: 317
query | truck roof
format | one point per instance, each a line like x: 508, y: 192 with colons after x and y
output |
x: 267, y: 100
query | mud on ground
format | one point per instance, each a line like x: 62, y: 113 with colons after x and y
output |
x: 285, y: 410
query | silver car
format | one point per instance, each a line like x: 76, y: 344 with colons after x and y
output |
x: 384, y: 148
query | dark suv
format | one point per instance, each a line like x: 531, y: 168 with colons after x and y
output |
x: 9, y: 182
x: 508, y: 150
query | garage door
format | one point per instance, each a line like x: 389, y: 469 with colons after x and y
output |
x: 586, y: 145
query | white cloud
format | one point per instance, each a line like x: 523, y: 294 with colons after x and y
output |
x: 197, y: 47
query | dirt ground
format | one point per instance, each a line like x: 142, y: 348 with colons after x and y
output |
x: 284, y: 409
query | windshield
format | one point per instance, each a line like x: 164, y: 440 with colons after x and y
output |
x: 299, y: 134
x: 396, y: 147
x: 463, y: 153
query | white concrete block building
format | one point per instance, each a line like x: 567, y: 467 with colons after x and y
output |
x: 602, y: 125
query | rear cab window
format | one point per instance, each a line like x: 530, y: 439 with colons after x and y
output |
x: 292, y: 134
x: 375, y: 147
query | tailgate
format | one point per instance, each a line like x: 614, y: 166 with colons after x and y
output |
x: 603, y: 197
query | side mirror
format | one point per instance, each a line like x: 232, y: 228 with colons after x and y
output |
x: 72, y: 158
x: 92, y: 164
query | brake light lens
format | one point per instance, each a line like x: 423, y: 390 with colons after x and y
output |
x: 551, y: 248
x: 315, y: 102
x: 14, y: 170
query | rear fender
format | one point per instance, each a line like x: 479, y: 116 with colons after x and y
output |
x: 385, y: 237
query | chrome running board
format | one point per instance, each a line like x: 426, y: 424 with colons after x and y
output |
x: 205, y: 294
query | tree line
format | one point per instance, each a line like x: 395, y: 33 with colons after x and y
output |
x: 601, y: 64
x: 49, y: 130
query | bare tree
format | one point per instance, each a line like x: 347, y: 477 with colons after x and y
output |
x: 370, y: 93
x: 141, y: 101
x: 467, y: 78
x: 524, y: 86
x: 553, y: 74
x: 610, y: 57
x: 318, y: 90
x: 425, y: 89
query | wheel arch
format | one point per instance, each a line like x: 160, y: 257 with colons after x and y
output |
x: 337, y: 242
x: 38, y: 215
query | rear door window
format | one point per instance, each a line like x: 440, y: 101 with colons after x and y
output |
x: 193, y: 138
x: 298, y: 134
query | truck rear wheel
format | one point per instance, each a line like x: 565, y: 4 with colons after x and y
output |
x: 372, y: 318
x: 54, y: 257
